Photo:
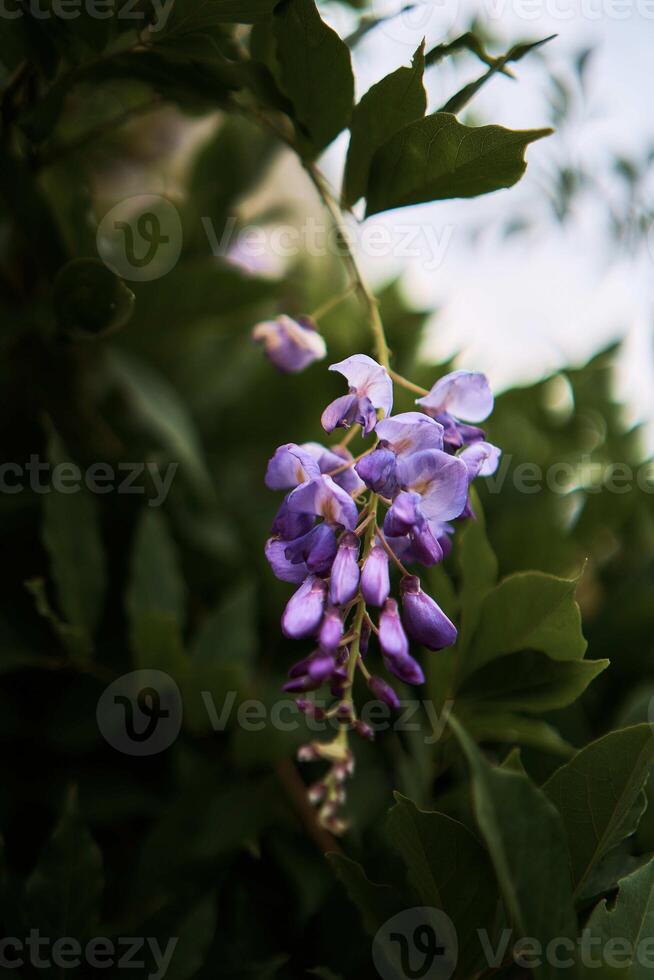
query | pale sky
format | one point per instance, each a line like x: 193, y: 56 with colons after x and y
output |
x: 520, y: 307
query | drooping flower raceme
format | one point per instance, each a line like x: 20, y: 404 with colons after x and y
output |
x: 348, y: 526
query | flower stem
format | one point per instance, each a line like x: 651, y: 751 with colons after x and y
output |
x: 332, y: 303
x: 365, y: 294
x: 405, y: 383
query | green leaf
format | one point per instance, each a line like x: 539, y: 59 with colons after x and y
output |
x: 598, y: 794
x: 629, y: 920
x: 62, y: 895
x: 478, y: 569
x: 525, y: 838
x: 488, y: 724
x: 376, y: 903
x: 160, y: 409
x: 195, y: 934
x: 437, y: 158
x: 440, y: 854
x: 531, y: 682
x: 396, y: 100
x: 156, y: 584
x: 71, y: 535
x: 316, y: 71
x: 75, y: 639
x: 90, y: 300
x: 528, y: 611
x: 228, y: 634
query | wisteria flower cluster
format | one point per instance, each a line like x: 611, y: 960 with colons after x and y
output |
x: 329, y: 538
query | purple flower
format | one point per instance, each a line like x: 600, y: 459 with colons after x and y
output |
x: 459, y: 397
x: 331, y: 631
x: 410, y: 432
x: 291, y: 345
x: 304, y: 609
x: 378, y: 470
x: 344, y: 580
x: 291, y: 466
x: 384, y: 692
x: 316, y: 549
x: 481, y: 459
x: 289, y: 525
x: 371, y: 389
x: 395, y: 646
x: 375, y: 579
x: 310, y: 673
x: 324, y: 498
x: 284, y: 569
x: 334, y: 459
x: 440, y: 480
x: 425, y: 621
x: 392, y: 638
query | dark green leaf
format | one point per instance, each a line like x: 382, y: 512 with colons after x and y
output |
x: 156, y: 584
x: 598, y: 795
x: 195, y: 933
x: 440, y: 854
x: 389, y: 105
x: 376, y: 903
x: 629, y: 920
x: 525, y: 837
x: 528, y: 611
x: 316, y: 71
x: 62, y: 895
x: 478, y: 568
x: 71, y: 535
x: 531, y: 682
x: 437, y: 158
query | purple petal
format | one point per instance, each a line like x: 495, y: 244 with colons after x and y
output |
x: 378, y: 471
x: 367, y: 378
x: 481, y: 459
x: 384, y: 692
x: 464, y: 394
x: 375, y: 578
x: 341, y: 413
x: 426, y: 546
x: 405, y: 669
x: 324, y: 498
x: 410, y: 432
x: 366, y: 415
x: 290, y: 466
x: 289, y: 525
x: 440, y: 479
x: 333, y: 459
x: 344, y: 579
x: 403, y: 515
x: 331, y: 631
x: 304, y: 609
x: 392, y: 638
x: 289, y: 344
x: 425, y: 621
x: 282, y: 568
x: 315, y: 549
